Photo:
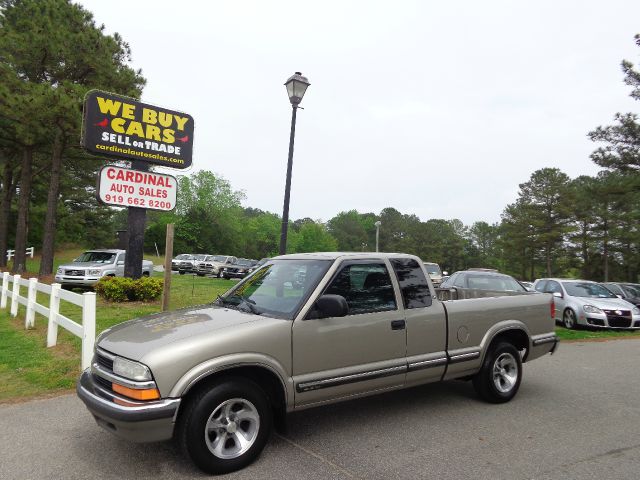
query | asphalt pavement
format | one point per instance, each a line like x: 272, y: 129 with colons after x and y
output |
x: 577, y: 416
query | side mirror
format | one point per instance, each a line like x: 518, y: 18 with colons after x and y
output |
x: 445, y: 273
x: 332, y: 306
x: 557, y: 294
x: 619, y: 296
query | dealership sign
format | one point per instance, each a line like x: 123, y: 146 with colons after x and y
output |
x: 122, y: 187
x: 117, y: 126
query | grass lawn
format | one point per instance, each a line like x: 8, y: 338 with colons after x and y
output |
x: 28, y: 368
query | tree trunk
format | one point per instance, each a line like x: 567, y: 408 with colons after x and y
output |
x: 50, y: 221
x: 605, y: 251
x: 5, y: 209
x: 547, y: 251
x: 586, y: 273
x: 20, y: 260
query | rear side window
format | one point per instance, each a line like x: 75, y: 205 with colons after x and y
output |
x: 413, y: 284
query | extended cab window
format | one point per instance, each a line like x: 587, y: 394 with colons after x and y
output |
x: 413, y: 284
x: 366, y: 287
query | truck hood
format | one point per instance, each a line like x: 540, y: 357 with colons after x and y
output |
x: 85, y: 265
x: 135, y: 338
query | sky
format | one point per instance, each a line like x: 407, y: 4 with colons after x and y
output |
x: 438, y: 109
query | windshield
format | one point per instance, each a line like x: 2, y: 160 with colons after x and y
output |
x: 96, y: 257
x: 631, y: 291
x: 502, y: 283
x: 278, y: 289
x: 183, y: 256
x: 433, y: 269
x: 614, y: 288
x: 585, y: 289
x: 219, y: 258
x: 199, y: 257
x: 244, y: 263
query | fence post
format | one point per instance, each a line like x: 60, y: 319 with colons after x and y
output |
x: 9, y: 255
x: 14, y: 295
x: 5, y: 287
x: 30, y: 251
x: 30, y: 317
x: 88, y: 328
x: 54, y: 308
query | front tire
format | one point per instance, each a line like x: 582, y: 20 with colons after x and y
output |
x: 224, y: 428
x: 569, y: 319
x: 499, y: 378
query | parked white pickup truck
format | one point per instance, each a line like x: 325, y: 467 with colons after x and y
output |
x: 301, y: 331
x: 88, y: 268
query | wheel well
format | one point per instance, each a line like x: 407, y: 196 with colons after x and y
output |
x: 516, y: 337
x: 268, y: 381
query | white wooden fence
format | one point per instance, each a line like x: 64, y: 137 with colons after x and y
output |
x: 87, y: 301
x: 11, y: 253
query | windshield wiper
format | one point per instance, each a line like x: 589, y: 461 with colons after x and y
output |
x: 250, y: 304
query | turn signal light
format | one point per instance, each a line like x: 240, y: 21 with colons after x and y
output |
x: 146, y: 394
x: 553, y: 309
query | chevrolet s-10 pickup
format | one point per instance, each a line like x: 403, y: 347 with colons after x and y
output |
x: 302, y: 331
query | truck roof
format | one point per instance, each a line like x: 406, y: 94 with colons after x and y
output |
x: 107, y: 250
x: 336, y: 255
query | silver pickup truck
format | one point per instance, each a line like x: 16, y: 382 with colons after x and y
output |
x: 301, y: 331
x: 92, y: 265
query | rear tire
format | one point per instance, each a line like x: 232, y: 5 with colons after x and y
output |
x: 499, y: 378
x: 181, y: 272
x: 224, y: 428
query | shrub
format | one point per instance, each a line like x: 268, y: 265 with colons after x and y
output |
x: 147, y: 289
x: 119, y: 289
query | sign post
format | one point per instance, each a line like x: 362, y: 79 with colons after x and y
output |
x: 125, y: 129
x: 168, y: 255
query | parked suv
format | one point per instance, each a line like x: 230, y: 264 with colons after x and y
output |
x: 214, y: 264
x: 240, y: 269
x: 435, y: 273
x: 88, y: 268
x: 583, y: 302
x: 175, y: 263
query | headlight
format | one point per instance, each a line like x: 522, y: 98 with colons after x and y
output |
x: 59, y: 271
x: 95, y: 272
x: 592, y: 309
x: 131, y: 370
x: 635, y: 311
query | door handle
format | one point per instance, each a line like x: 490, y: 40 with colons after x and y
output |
x: 398, y: 324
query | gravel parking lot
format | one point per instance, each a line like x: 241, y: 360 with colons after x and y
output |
x: 577, y: 416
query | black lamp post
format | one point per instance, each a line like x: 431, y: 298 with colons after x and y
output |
x: 296, y: 86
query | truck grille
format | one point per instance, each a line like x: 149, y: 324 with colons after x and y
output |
x: 74, y: 273
x: 619, y: 318
x: 104, y: 362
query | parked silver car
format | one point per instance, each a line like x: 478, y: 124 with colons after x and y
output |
x: 583, y: 302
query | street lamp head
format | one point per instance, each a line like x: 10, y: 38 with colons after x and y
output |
x: 378, y: 223
x: 296, y: 86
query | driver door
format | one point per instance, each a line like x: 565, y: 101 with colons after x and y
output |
x: 358, y: 353
x: 120, y: 265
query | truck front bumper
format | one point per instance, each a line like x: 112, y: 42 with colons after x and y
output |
x: 131, y: 420
x: 77, y: 281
